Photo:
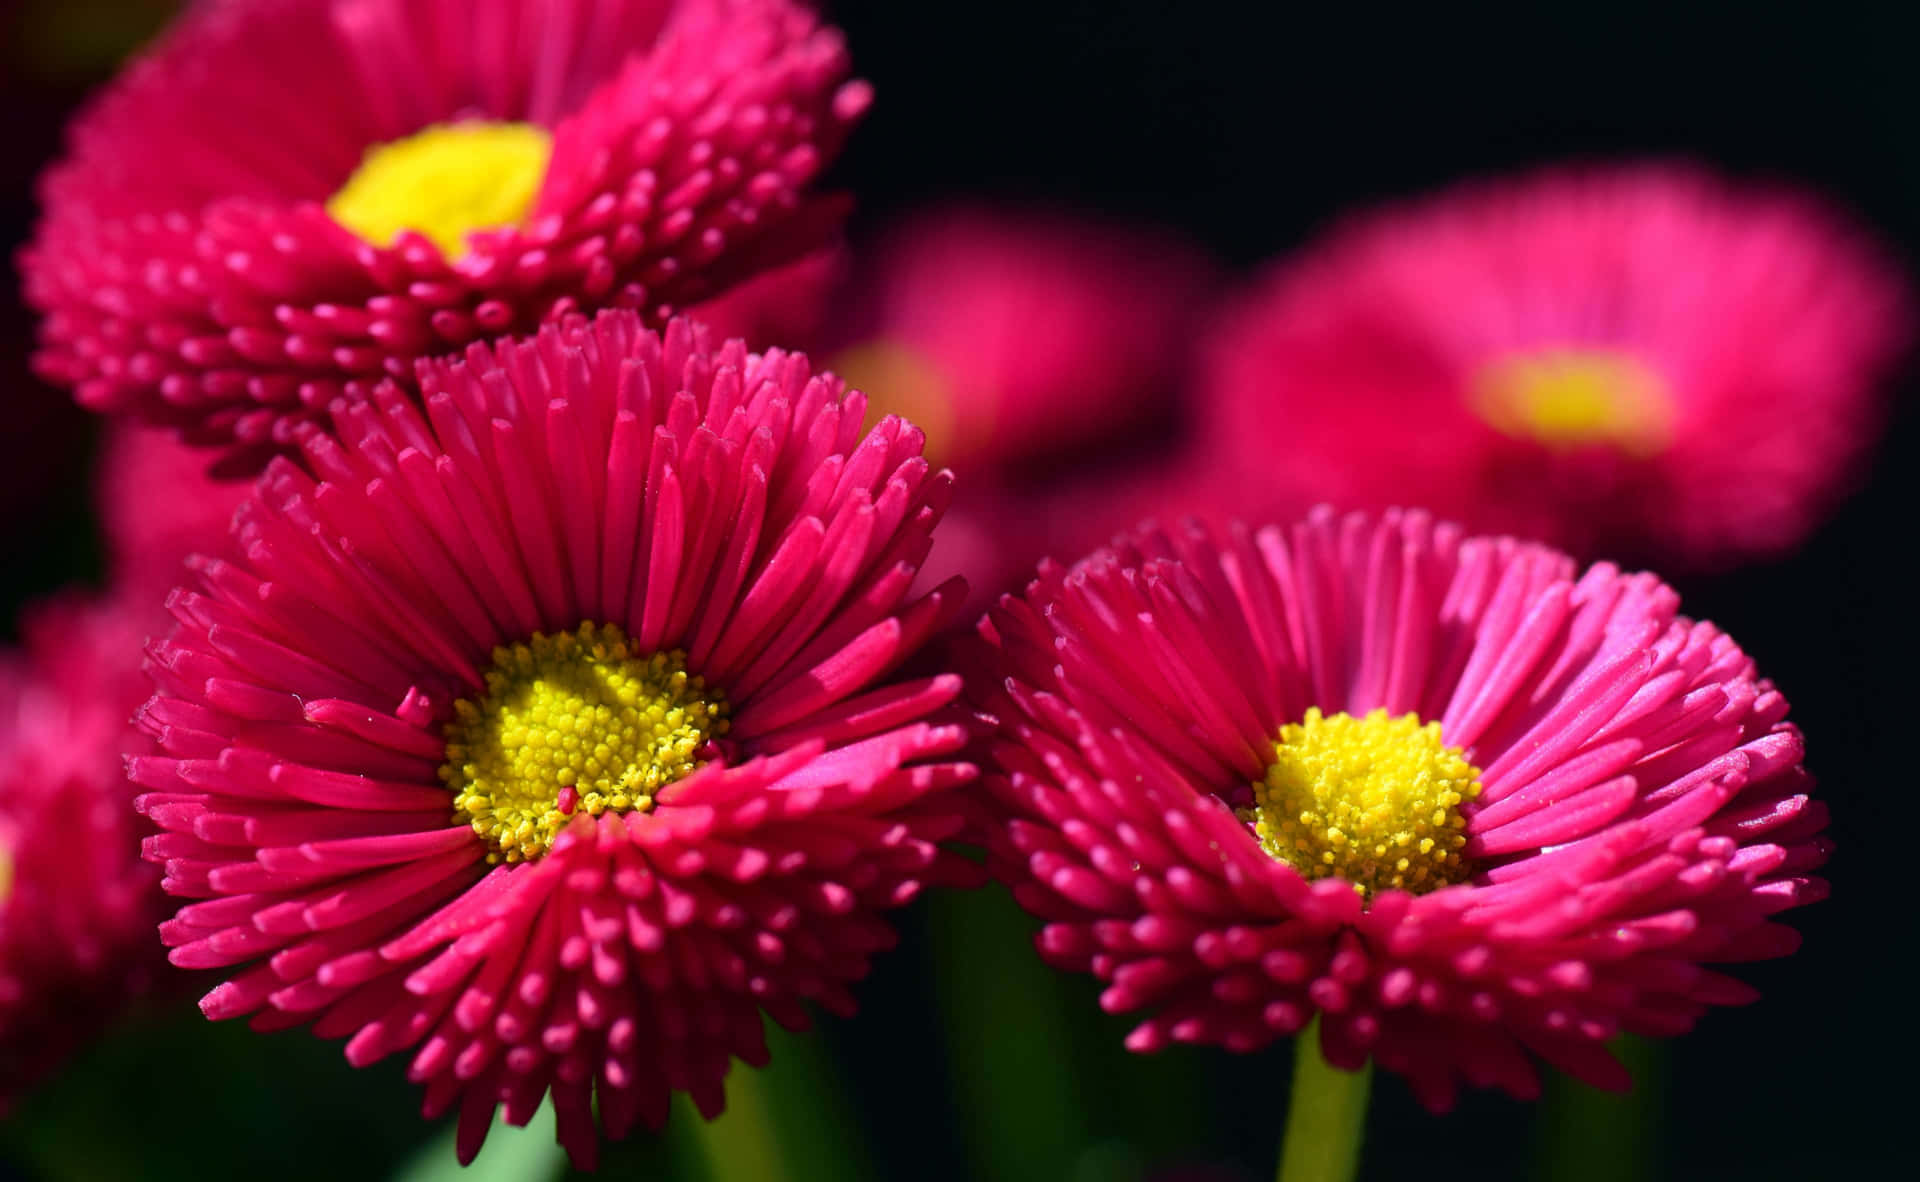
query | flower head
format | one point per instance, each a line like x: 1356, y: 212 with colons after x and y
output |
x: 1641, y: 360
x: 1456, y: 798
x: 286, y: 200
x: 77, y: 903
x: 545, y: 730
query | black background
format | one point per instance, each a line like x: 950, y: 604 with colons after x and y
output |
x: 1249, y: 127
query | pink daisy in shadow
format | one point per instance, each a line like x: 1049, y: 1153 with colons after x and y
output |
x: 285, y: 200
x: 545, y: 731
x: 1452, y: 796
x: 77, y: 904
x: 1640, y: 360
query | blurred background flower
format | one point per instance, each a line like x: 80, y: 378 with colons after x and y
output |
x: 78, y: 910
x: 1645, y: 361
x: 1021, y: 338
x: 156, y: 506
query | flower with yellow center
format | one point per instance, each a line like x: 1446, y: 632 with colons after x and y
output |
x: 571, y: 723
x: 1374, y: 801
x: 1576, y: 397
x: 445, y: 182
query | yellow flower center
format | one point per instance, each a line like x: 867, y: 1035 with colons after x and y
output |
x: 1574, y: 397
x: 572, y: 723
x: 6, y: 874
x: 445, y: 182
x: 1374, y: 801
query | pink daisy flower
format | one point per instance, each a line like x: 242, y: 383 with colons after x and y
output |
x: 1010, y: 336
x: 1454, y: 797
x: 77, y: 903
x: 288, y: 199
x: 544, y: 731
x: 1639, y: 360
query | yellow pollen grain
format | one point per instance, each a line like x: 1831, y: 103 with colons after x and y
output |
x: 445, y: 182
x: 575, y: 715
x: 1374, y: 801
x: 1576, y: 397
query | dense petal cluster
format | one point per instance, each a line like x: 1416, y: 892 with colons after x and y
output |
x: 190, y: 271
x: 1637, y: 360
x: 648, y: 496
x: 77, y: 904
x: 1640, y: 811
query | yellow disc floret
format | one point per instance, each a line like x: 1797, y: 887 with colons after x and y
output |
x: 572, y: 723
x: 1575, y: 397
x: 445, y: 182
x: 1374, y: 801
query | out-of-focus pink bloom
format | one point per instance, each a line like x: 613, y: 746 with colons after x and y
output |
x: 990, y: 537
x: 1639, y: 360
x: 499, y: 162
x: 792, y: 307
x: 546, y: 729
x: 1453, y: 796
x: 157, y: 505
x: 77, y: 904
x: 1018, y: 336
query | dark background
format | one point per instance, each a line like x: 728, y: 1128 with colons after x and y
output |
x: 1247, y: 127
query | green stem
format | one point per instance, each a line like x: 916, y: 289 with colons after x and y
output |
x: 1326, y: 1116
